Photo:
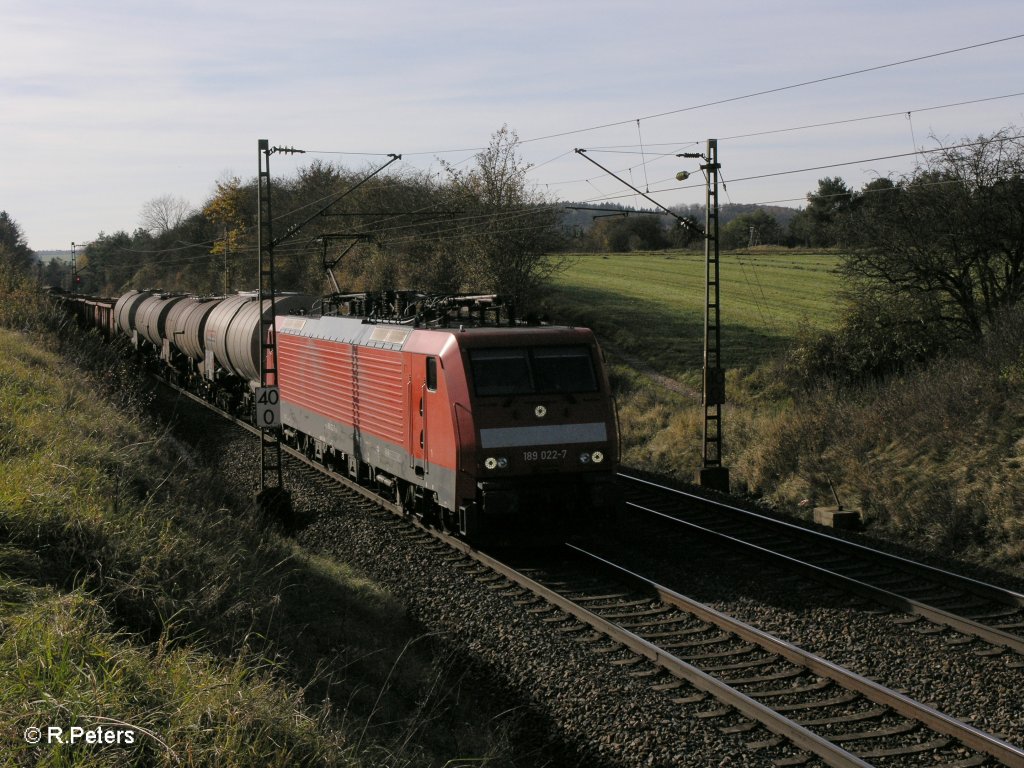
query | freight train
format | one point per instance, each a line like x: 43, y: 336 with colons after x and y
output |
x: 497, y: 430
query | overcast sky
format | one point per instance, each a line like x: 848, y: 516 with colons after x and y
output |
x: 107, y: 104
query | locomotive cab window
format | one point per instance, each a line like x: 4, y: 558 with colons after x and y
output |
x: 432, y: 374
x: 563, y: 369
x: 529, y: 371
x: 500, y: 371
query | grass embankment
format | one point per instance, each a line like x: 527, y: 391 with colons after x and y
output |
x: 133, y: 596
x: 932, y: 457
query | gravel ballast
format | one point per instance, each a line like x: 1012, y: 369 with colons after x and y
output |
x: 602, y: 714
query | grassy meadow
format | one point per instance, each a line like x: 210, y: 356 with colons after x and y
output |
x: 648, y: 311
x: 652, y: 303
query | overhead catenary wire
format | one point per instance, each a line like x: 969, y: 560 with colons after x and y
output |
x: 631, y: 149
x: 717, y: 102
x: 722, y: 101
x: 644, y: 148
x: 459, y: 227
x: 779, y: 89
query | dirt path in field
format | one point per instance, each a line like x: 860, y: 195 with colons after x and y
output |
x: 658, y: 378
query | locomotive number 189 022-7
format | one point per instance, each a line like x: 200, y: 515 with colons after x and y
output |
x: 550, y: 455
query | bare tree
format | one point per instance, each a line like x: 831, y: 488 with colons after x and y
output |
x: 163, y: 214
x: 950, y: 237
x: 508, y: 229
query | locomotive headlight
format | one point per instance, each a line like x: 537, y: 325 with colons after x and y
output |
x: 597, y: 457
x: 491, y: 463
x: 584, y: 458
x: 502, y: 462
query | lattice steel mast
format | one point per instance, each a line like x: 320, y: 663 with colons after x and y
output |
x: 712, y: 474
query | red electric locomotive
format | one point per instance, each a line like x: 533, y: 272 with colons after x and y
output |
x: 502, y: 433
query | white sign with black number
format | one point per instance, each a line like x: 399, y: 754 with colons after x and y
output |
x: 268, y: 407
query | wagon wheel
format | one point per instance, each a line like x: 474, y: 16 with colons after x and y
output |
x: 405, y: 496
x: 447, y: 521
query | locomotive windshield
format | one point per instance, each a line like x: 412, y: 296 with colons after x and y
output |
x: 530, y: 371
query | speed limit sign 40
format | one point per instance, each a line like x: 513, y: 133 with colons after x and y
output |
x: 268, y: 407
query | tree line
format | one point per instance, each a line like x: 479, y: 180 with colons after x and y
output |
x: 930, y: 259
x: 479, y: 228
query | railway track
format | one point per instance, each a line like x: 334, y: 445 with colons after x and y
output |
x: 834, y: 715
x: 973, y: 609
x: 796, y: 707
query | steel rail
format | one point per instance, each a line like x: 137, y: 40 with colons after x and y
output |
x: 892, y: 599
x: 979, y: 588
x: 939, y: 722
x: 830, y: 753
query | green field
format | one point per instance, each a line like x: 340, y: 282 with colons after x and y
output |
x: 651, y: 304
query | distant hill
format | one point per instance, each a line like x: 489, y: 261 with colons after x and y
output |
x: 47, y: 256
x: 581, y: 216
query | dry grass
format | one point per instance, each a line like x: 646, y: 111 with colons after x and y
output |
x: 133, y: 592
x: 933, y: 456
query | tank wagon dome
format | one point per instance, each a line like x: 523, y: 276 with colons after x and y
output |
x: 233, y: 329
x: 151, y: 318
x: 186, y: 323
x: 126, y: 308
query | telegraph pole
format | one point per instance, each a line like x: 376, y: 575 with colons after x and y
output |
x: 74, y: 269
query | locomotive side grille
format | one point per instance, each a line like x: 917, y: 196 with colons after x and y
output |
x: 353, y: 385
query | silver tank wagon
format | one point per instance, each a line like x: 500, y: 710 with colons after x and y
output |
x: 233, y: 331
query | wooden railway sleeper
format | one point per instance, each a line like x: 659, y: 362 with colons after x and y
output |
x: 907, y: 726
x: 854, y: 717
x: 750, y: 664
x: 786, y: 762
x: 843, y: 698
x: 719, y: 655
x: 673, y: 633
x: 615, y: 604
x: 913, y: 749
x: 595, y: 598
x: 998, y: 613
x: 968, y: 762
x: 757, y: 746
x: 744, y: 727
x: 721, y: 637
x: 661, y: 610
x: 783, y: 675
x: 777, y: 692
